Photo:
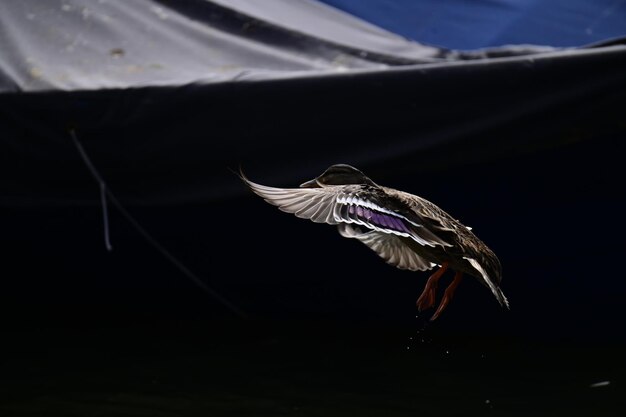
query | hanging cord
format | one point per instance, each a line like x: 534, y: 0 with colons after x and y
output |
x: 106, y: 192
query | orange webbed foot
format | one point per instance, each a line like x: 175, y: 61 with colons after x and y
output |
x: 427, y: 299
x: 448, y: 294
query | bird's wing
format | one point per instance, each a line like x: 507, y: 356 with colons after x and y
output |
x: 495, y: 289
x: 345, y: 204
x: 388, y: 246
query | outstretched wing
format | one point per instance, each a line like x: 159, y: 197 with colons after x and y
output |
x: 352, y: 204
x: 388, y: 246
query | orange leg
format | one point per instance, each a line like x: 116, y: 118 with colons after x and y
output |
x: 447, y: 296
x: 427, y: 299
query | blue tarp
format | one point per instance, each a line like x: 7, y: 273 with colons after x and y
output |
x: 462, y: 24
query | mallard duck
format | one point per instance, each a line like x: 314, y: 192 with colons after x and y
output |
x: 407, y: 231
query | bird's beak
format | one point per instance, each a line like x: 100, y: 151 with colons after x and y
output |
x: 310, y: 184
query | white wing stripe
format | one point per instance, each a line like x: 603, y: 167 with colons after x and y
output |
x: 335, y: 205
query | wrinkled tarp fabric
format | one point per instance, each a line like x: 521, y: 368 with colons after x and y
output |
x: 167, y: 96
x: 83, y: 45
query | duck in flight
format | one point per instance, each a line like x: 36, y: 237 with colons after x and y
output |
x: 407, y: 231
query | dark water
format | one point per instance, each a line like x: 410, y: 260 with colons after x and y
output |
x: 85, y: 332
x: 301, y: 367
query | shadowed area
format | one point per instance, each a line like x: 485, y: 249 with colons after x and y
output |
x: 332, y: 329
x: 301, y: 368
x: 167, y: 99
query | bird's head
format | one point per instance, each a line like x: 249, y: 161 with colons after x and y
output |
x: 340, y: 174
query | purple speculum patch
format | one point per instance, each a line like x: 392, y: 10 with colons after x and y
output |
x: 377, y: 218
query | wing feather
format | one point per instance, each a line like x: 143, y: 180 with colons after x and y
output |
x: 347, y: 204
x: 388, y: 246
x: 495, y: 289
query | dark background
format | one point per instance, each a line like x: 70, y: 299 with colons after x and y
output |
x: 527, y: 150
x: 330, y: 328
